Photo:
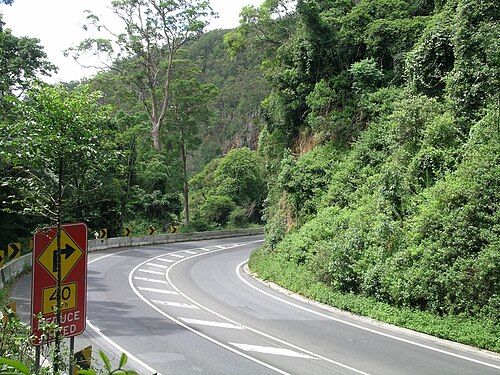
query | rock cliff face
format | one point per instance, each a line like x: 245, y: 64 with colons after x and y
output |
x: 247, y: 136
x: 241, y: 90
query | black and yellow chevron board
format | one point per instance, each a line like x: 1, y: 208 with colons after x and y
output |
x: 151, y: 231
x: 14, y: 250
x: 103, y: 233
x: 83, y: 360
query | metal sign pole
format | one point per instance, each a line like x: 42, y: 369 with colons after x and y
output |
x: 37, y: 358
x: 71, y: 354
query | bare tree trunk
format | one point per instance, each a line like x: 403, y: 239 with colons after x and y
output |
x: 155, y: 134
x: 185, y: 180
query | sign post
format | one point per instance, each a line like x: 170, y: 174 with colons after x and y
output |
x: 73, y: 249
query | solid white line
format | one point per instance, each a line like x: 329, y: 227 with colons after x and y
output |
x: 152, y: 272
x: 252, y: 329
x: 189, y: 252
x: 238, y: 272
x: 165, y: 260
x: 231, y: 349
x: 175, y: 304
x: 150, y: 280
x: 157, y: 265
x: 162, y: 291
x: 271, y: 350
x: 122, y: 350
x: 210, y: 323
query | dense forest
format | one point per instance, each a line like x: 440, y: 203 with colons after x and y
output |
x: 364, y: 134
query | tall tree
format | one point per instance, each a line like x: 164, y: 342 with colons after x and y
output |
x: 190, y: 102
x: 144, y: 52
x: 51, y: 149
x: 21, y: 60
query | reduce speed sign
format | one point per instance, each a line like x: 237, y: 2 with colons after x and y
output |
x: 73, y: 253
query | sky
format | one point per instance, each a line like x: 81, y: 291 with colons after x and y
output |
x: 58, y: 25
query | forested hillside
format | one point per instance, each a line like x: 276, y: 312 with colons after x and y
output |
x: 365, y: 135
x: 218, y: 109
x: 384, y: 134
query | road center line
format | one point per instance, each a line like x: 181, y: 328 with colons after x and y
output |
x: 316, y: 355
x: 211, y: 323
x: 174, y: 304
x: 149, y: 271
x: 157, y: 265
x: 182, y: 324
x: 165, y: 260
x: 154, y: 290
x: 150, y: 280
x: 271, y: 350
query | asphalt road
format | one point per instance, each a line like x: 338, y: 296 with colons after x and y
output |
x: 190, y: 308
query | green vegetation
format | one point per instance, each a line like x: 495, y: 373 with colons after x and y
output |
x: 383, y: 129
x: 365, y: 134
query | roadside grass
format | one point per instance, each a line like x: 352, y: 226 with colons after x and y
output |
x: 483, y: 334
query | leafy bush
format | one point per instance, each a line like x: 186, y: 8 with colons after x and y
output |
x: 216, y: 209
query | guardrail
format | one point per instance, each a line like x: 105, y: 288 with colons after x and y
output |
x: 17, y: 266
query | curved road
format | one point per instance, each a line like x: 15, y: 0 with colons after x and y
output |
x: 190, y: 308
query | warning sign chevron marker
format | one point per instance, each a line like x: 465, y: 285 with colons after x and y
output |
x: 103, y: 233
x: 14, y: 250
x: 83, y: 360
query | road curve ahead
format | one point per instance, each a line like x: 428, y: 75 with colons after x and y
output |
x: 190, y: 308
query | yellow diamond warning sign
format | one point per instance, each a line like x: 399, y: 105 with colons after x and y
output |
x: 70, y: 254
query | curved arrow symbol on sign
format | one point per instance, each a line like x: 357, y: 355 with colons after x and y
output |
x: 67, y: 251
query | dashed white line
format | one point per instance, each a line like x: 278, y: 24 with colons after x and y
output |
x: 176, y: 255
x: 276, y: 339
x: 154, y: 290
x: 149, y: 271
x: 190, y: 252
x: 211, y: 323
x: 157, y: 265
x: 150, y: 280
x: 165, y: 260
x: 271, y: 350
x: 175, y: 304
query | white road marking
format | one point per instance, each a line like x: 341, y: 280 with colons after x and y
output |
x: 152, y: 272
x: 189, y: 252
x: 122, y: 350
x: 205, y: 249
x: 211, y: 323
x: 176, y: 255
x: 150, y: 280
x: 220, y: 247
x: 316, y: 355
x: 271, y: 350
x: 174, y: 304
x: 238, y: 268
x: 165, y: 260
x: 154, y: 290
x: 157, y: 265
x: 225, y: 346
